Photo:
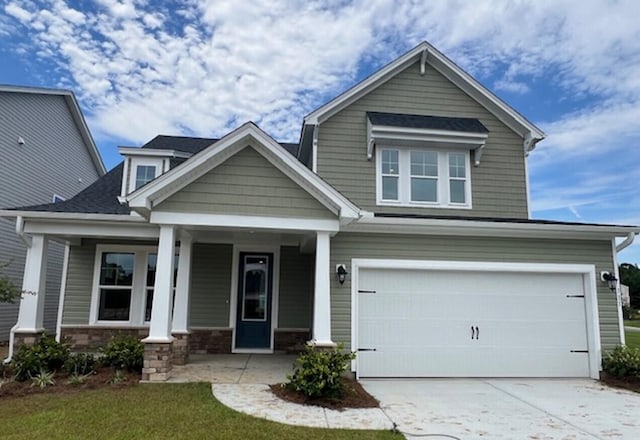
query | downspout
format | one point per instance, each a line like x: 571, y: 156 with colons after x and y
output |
x: 627, y: 242
x: 617, y: 248
x: 27, y: 241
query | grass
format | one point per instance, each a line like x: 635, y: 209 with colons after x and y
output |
x: 634, y: 323
x: 632, y: 339
x: 145, y: 411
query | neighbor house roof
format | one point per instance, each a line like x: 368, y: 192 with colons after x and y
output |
x: 76, y: 114
x: 470, y: 125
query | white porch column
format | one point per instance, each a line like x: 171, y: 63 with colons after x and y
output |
x: 321, y: 336
x: 183, y: 286
x: 160, y: 325
x: 33, y: 284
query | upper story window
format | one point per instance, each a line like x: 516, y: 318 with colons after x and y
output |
x: 423, y: 177
x: 144, y: 174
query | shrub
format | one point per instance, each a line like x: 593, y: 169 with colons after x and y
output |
x: 319, y: 372
x: 622, y: 362
x: 80, y: 364
x: 43, y: 379
x: 117, y: 378
x: 78, y: 379
x: 123, y: 353
x: 45, y: 355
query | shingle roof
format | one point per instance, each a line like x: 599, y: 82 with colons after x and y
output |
x: 470, y: 125
x: 101, y: 197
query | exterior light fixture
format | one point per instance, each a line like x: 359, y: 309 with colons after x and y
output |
x: 610, y: 279
x: 341, y: 272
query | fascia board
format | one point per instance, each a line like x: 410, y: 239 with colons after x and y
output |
x: 85, y: 228
x: 9, y: 213
x: 152, y: 152
x: 489, y: 229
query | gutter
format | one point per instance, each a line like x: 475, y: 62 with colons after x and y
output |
x: 20, y: 231
x: 627, y: 242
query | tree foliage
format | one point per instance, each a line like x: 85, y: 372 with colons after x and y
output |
x: 9, y: 292
x: 630, y: 276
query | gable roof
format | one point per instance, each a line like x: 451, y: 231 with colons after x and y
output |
x: 425, y: 53
x: 143, y: 199
x: 76, y: 114
x: 469, y: 125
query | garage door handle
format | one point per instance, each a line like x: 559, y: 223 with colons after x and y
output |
x: 475, y: 332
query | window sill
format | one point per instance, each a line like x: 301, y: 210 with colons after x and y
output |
x: 422, y: 205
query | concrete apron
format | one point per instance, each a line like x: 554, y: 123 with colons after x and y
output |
x: 573, y: 409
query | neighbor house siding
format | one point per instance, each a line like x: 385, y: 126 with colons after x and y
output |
x: 296, y: 277
x: 210, y: 285
x: 77, y: 296
x: 246, y: 184
x: 53, y: 159
x: 498, y: 184
x: 346, y: 246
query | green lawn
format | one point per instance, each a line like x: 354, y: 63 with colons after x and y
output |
x: 634, y: 323
x: 144, y: 411
x: 632, y: 339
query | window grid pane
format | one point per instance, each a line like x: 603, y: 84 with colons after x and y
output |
x: 457, y: 165
x: 424, y: 189
x: 424, y: 163
x: 390, y: 162
x: 144, y: 174
x: 457, y: 191
x: 116, y: 269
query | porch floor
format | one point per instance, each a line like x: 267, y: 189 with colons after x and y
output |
x: 235, y: 368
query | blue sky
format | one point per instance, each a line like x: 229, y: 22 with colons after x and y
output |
x: 201, y: 68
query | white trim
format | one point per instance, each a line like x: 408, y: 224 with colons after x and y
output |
x: 445, y: 66
x: 63, y: 288
x: 247, y: 135
x: 153, y: 152
x: 479, y: 228
x: 245, y: 221
x: 314, y: 149
x: 59, y: 197
x: 527, y: 186
x: 31, y: 312
x: 275, y: 293
x: 10, y: 213
x: 587, y: 271
x: 137, y: 161
x: 85, y: 228
x: 616, y: 271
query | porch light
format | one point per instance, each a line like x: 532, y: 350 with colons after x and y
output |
x: 341, y: 272
x: 610, y: 279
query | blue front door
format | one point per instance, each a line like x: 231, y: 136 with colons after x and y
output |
x: 253, y: 317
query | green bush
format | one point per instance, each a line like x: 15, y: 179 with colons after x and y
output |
x: 45, y: 355
x: 123, y: 353
x: 80, y: 364
x: 622, y: 362
x: 319, y: 372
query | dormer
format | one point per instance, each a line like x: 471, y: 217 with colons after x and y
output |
x: 142, y: 165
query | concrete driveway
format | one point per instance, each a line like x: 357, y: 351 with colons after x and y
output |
x: 509, y: 408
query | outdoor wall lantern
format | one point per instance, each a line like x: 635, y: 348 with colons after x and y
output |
x: 610, y: 279
x: 341, y: 272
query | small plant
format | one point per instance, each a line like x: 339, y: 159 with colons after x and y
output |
x: 123, y: 353
x: 319, y: 372
x: 622, y: 362
x: 78, y: 379
x: 45, y: 355
x: 80, y: 364
x: 43, y: 379
x: 117, y: 378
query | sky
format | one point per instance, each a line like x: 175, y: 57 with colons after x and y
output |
x: 140, y: 68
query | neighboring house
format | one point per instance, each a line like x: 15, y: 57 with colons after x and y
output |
x: 46, y: 155
x: 398, y: 226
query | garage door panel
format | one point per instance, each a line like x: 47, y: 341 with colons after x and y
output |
x: 420, y: 324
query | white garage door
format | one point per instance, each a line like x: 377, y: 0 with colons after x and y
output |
x: 442, y: 323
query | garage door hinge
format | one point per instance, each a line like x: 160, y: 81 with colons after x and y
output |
x: 575, y: 296
x: 366, y: 291
x: 579, y: 351
x: 366, y: 349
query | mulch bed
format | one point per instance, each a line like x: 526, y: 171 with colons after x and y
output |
x: 628, y: 383
x: 100, y: 379
x: 355, y: 397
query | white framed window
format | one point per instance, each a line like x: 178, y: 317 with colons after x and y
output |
x: 140, y: 170
x: 144, y: 175
x: 123, y: 284
x: 420, y: 177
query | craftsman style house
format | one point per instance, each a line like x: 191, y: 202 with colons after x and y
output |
x: 399, y: 225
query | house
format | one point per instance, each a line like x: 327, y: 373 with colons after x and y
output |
x: 399, y: 226
x: 46, y: 155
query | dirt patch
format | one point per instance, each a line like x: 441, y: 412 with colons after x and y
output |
x: 102, y: 378
x: 355, y: 397
x: 628, y: 383
x: 4, y: 351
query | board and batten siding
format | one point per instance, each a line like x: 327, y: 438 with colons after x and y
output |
x: 296, y: 288
x: 346, y: 246
x: 52, y: 160
x: 498, y: 184
x: 246, y: 184
x: 210, y: 285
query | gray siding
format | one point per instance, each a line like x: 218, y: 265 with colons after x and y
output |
x: 210, y: 285
x: 346, y: 246
x: 246, y: 184
x: 296, y: 281
x: 498, y: 184
x: 53, y: 159
x: 77, y: 297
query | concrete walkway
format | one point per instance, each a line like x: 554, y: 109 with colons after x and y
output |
x: 240, y: 381
x: 631, y: 329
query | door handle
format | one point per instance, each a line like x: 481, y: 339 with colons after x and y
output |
x: 475, y: 332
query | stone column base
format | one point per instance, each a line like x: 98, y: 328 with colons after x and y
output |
x: 157, y: 361
x: 180, y: 348
x: 25, y: 338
